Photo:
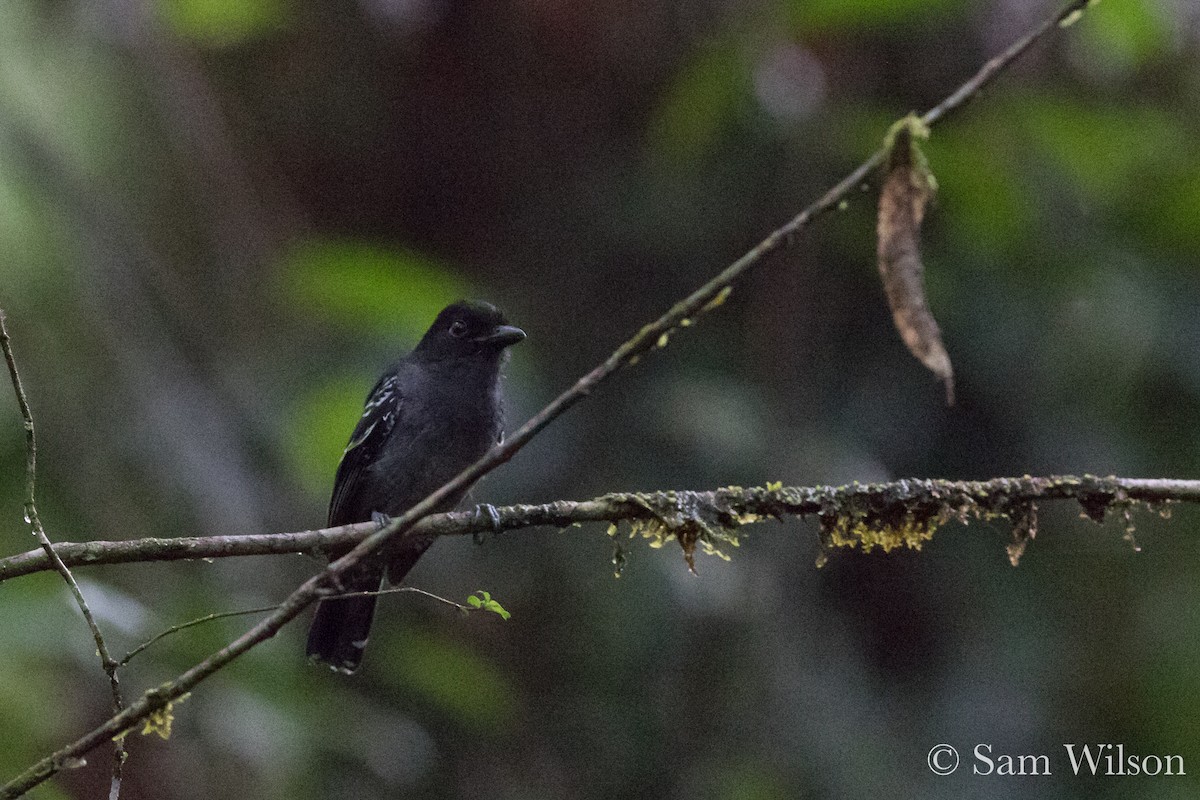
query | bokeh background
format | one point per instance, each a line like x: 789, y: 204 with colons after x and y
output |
x: 219, y: 220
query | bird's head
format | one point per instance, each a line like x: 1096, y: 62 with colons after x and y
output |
x: 468, y: 329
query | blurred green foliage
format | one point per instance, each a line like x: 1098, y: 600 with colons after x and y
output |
x: 1133, y: 144
x: 316, y: 439
x: 1128, y: 34
x: 707, y: 96
x: 452, y: 678
x: 223, y: 22
x: 823, y: 16
x: 367, y: 288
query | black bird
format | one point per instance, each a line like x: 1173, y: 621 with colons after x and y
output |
x: 432, y: 414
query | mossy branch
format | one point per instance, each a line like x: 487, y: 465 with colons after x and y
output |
x: 887, y: 515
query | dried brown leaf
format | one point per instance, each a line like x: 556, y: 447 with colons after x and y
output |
x: 907, y: 189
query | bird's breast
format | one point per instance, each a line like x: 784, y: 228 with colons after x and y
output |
x: 443, y: 436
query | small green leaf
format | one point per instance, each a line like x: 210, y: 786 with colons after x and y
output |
x: 496, y: 608
x: 483, y: 600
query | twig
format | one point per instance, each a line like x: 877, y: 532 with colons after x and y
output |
x: 699, y: 302
x: 246, y: 611
x: 34, y: 519
x: 191, y: 624
x: 761, y: 501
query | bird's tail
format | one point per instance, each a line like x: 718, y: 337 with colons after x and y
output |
x: 342, y: 625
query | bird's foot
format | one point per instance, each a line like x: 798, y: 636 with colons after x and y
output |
x: 380, y: 519
x: 488, y: 512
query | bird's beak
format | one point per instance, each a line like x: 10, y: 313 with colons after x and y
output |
x: 503, y: 336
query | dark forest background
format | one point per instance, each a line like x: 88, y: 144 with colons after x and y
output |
x: 219, y: 220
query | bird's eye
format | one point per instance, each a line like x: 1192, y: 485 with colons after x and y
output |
x: 458, y: 329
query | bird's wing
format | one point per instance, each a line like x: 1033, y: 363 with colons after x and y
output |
x: 380, y: 413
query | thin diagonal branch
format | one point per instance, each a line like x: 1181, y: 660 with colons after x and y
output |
x: 720, y: 506
x: 107, y: 663
x: 655, y: 334
x: 191, y: 624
